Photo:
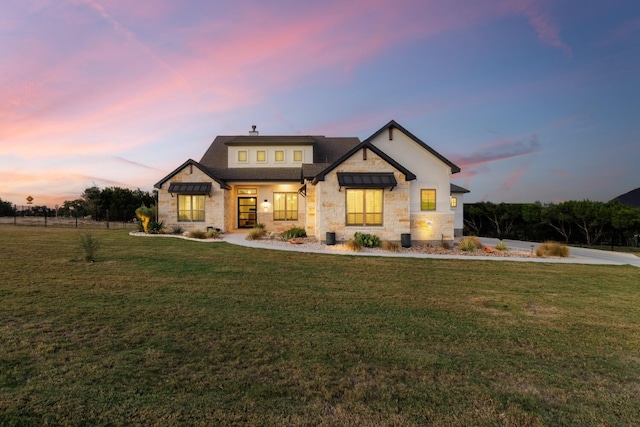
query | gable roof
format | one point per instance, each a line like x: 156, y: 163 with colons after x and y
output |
x: 631, y: 198
x: 457, y: 189
x: 409, y: 176
x: 202, y: 168
x: 394, y: 125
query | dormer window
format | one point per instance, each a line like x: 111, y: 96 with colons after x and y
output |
x: 242, y: 156
x: 261, y: 156
x: 279, y: 155
x: 297, y: 155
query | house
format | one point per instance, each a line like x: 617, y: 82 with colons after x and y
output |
x: 391, y: 184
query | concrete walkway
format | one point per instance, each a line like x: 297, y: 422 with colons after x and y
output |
x: 577, y: 255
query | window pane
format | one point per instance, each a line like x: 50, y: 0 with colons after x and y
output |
x: 191, y: 208
x: 242, y: 156
x: 184, y: 208
x: 279, y: 156
x: 428, y: 200
x: 297, y: 156
x: 285, y: 206
x: 364, y: 207
x: 261, y: 156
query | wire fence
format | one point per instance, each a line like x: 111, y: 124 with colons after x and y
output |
x: 66, y: 222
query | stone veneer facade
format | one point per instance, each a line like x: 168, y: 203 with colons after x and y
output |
x: 322, y: 206
x: 329, y: 214
x: 214, y: 202
x: 327, y: 208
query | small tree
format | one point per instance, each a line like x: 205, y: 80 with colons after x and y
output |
x: 145, y: 215
x: 89, y: 245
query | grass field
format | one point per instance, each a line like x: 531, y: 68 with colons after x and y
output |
x: 170, y: 332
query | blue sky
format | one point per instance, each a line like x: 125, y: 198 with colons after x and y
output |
x: 535, y: 100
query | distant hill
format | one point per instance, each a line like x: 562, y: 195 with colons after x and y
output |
x: 632, y: 198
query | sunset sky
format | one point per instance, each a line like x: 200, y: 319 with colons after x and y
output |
x: 535, y: 100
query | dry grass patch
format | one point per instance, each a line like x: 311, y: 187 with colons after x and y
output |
x: 552, y: 249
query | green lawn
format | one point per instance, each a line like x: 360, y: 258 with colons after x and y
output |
x: 167, y: 332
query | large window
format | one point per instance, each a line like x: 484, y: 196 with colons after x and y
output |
x: 364, y: 206
x: 428, y: 200
x: 190, y: 207
x: 285, y: 206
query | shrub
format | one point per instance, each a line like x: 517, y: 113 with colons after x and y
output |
x: 213, y: 234
x: 353, y: 245
x: 552, y: 249
x: 367, y: 240
x: 89, y: 245
x: 293, y: 232
x: 144, y: 214
x: 156, y: 227
x: 467, y: 245
x: 260, y: 226
x: 502, y: 246
x: 177, y: 229
x: 256, y: 233
x: 197, y: 234
x: 445, y: 244
x: 390, y: 246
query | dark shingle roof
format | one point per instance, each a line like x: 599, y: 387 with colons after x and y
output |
x: 258, y: 174
x: 458, y: 189
x: 325, y: 150
x: 632, y: 198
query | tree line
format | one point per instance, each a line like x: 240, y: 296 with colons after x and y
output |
x: 110, y: 203
x: 579, y: 222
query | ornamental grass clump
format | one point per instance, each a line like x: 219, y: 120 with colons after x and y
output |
x: 468, y: 244
x: 198, y: 234
x: 213, y: 234
x: 552, y: 249
x: 353, y: 245
x: 501, y: 246
x: 257, y: 232
x: 390, y: 246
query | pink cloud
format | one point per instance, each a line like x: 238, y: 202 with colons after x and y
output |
x: 501, y: 149
x: 540, y: 20
x: 513, y: 179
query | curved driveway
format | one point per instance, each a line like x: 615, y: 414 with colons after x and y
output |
x: 581, y: 255
x: 577, y: 255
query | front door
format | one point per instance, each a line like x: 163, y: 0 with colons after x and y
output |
x: 247, y: 212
